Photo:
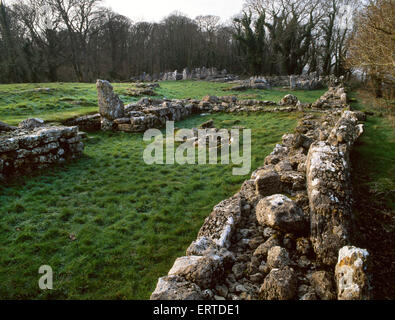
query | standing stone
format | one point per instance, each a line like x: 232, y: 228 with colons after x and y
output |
x: 292, y: 82
x: 110, y: 106
x: 351, y: 274
x: 186, y: 74
x: 329, y: 194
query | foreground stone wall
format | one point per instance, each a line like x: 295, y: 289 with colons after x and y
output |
x: 285, y: 234
x: 24, y: 150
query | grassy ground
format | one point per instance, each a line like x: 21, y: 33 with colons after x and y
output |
x: 108, y: 224
x: 66, y: 100
x: 374, y: 192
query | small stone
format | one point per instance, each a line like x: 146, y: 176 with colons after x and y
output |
x: 280, y: 284
x: 303, y: 246
x: 207, y: 124
x: 222, y: 290
x: 304, y: 262
x: 288, y: 242
x: 278, y: 257
x: 255, y: 242
x: 264, y: 248
x: 256, y: 278
x: 267, y: 182
x: 31, y: 123
x: 268, y: 232
x: 264, y: 268
x: 208, y: 294
x: 219, y: 298
x: 238, y: 270
x: 240, y: 288
x: 323, y: 285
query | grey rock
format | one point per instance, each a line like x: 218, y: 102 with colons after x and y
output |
x: 279, y: 284
x: 281, y: 213
x: 278, y: 257
x: 30, y: 124
x: 322, y: 283
x: 205, y: 271
x: 238, y: 270
x: 267, y: 183
x: 351, y: 273
x: 176, y: 288
x: 264, y: 248
x: 110, y: 106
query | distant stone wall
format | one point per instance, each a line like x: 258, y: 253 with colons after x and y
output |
x: 25, y: 150
x: 208, y: 74
x: 153, y: 113
x: 285, y: 234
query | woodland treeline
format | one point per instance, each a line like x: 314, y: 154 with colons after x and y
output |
x: 80, y: 40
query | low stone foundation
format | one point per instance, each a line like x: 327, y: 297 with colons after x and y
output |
x: 285, y: 234
x: 150, y: 113
x: 25, y: 150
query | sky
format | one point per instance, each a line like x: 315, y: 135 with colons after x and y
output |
x: 156, y: 10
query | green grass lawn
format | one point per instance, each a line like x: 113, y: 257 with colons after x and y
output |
x: 373, y: 176
x: 374, y: 153
x: 131, y: 220
x: 108, y: 224
x: 66, y: 100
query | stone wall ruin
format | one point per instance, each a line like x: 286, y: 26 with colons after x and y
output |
x: 285, y: 234
x: 35, y: 146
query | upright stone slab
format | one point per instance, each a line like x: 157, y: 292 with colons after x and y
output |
x: 329, y: 188
x: 110, y: 106
x: 351, y: 274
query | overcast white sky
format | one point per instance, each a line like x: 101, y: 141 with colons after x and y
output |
x: 155, y: 10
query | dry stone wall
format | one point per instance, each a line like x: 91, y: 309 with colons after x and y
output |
x: 26, y: 149
x: 150, y: 113
x: 285, y: 234
x: 203, y: 73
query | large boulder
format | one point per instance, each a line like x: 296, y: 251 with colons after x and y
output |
x: 205, y: 271
x: 281, y: 213
x: 279, y: 284
x: 351, y: 274
x: 176, y: 288
x: 110, y: 105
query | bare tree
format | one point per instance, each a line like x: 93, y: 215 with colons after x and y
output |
x: 372, y: 47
